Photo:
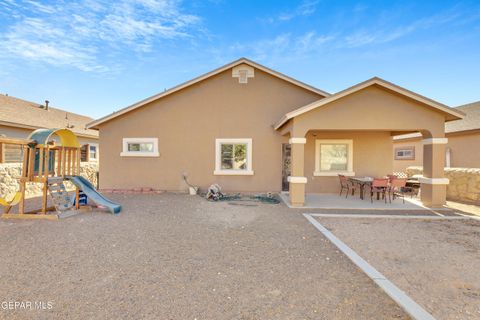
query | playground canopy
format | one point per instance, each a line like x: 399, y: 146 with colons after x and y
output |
x: 67, y: 137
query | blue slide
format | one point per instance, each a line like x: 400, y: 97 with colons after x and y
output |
x: 88, y: 188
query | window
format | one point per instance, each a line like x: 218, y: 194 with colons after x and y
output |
x: 84, y: 153
x: 93, y: 154
x: 405, y: 153
x: 333, y: 157
x: 140, y: 147
x: 233, y: 157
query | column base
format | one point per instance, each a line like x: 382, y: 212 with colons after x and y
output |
x: 297, y: 194
x: 433, y: 195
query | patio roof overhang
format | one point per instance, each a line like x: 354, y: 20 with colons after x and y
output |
x: 448, y: 113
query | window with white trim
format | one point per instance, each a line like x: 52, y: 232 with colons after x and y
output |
x: 405, y: 153
x: 233, y: 157
x: 140, y: 147
x: 334, y: 156
x: 93, y: 152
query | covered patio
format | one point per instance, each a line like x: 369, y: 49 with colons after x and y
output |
x: 333, y: 201
x: 350, y: 133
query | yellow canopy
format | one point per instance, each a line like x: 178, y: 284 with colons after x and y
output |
x: 67, y: 137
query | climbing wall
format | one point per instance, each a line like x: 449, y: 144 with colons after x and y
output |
x: 59, y: 194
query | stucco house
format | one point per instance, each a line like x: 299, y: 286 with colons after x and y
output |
x: 250, y: 128
x: 462, y: 149
x: 18, y: 118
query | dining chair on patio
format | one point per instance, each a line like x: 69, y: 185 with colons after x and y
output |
x: 397, y: 189
x: 379, y: 186
x: 344, y: 184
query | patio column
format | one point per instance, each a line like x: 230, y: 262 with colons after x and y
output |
x: 433, y: 183
x: 297, y: 180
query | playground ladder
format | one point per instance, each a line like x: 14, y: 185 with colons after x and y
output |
x: 60, y: 197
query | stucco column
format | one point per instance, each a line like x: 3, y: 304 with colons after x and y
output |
x: 433, y: 183
x: 297, y: 180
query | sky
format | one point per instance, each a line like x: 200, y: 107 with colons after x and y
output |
x: 95, y: 56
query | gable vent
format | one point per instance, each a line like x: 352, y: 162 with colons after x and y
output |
x: 243, y: 72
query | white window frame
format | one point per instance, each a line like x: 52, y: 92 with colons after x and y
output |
x: 218, y: 157
x: 126, y: 153
x: 89, y: 154
x: 348, y: 172
x: 400, y: 149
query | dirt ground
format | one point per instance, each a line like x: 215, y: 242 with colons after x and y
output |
x: 174, y: 256
x: 435, y: 262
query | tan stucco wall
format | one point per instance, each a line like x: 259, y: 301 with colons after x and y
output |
x: 372, y: 157
x: 187, y: 123
x: 465, y: 151
x: 402, y: 165
x: 372, y: 108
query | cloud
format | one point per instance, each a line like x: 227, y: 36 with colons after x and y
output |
x: 378, y: 35
x: 284, y: 46
x: 77, y: 34
x: 306, y: 8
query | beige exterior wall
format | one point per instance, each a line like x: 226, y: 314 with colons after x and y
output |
x: 187, y: 123
x: 402, y: 165
x: 372, y: 157
x: 372, y: 108
x: 465, y: 151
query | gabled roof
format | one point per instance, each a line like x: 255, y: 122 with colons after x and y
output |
x: 454, y: 114
x: 179, y: 87
x: 15, y: 112
x: 470, y: 122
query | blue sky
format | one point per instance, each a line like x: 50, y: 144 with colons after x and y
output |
x: 97, y: 56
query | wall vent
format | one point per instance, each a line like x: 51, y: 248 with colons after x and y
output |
x: 243, y: 72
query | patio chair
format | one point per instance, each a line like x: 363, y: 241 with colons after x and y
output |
x: 397, y: 189
x: 379, y: 186
x: 344, y: 184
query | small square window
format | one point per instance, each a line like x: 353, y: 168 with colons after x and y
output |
x: 233, y: 157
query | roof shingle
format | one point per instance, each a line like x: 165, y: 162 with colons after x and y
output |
x: 15, y: 111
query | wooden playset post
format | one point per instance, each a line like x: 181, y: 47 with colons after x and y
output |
x: 43, y: 160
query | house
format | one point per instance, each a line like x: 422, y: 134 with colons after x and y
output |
x: 462, y: 149
x: 18, y: 118
x: 250, y: 128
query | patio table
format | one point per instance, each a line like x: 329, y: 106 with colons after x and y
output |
x: 362, y: 182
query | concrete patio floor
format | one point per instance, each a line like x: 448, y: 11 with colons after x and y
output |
x: 334, y: 201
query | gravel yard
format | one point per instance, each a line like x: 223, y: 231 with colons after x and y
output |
x: 435, y: 262
x: 174, y: 256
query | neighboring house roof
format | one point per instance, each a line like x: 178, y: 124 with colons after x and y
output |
x: 453, y: 114
x: 141, y: 103
x: 470, y: 122
x: 15, y: 112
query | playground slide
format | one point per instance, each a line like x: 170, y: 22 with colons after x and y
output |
x: 87, y: 188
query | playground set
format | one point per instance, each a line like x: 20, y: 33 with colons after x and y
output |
x: 50, y: 157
